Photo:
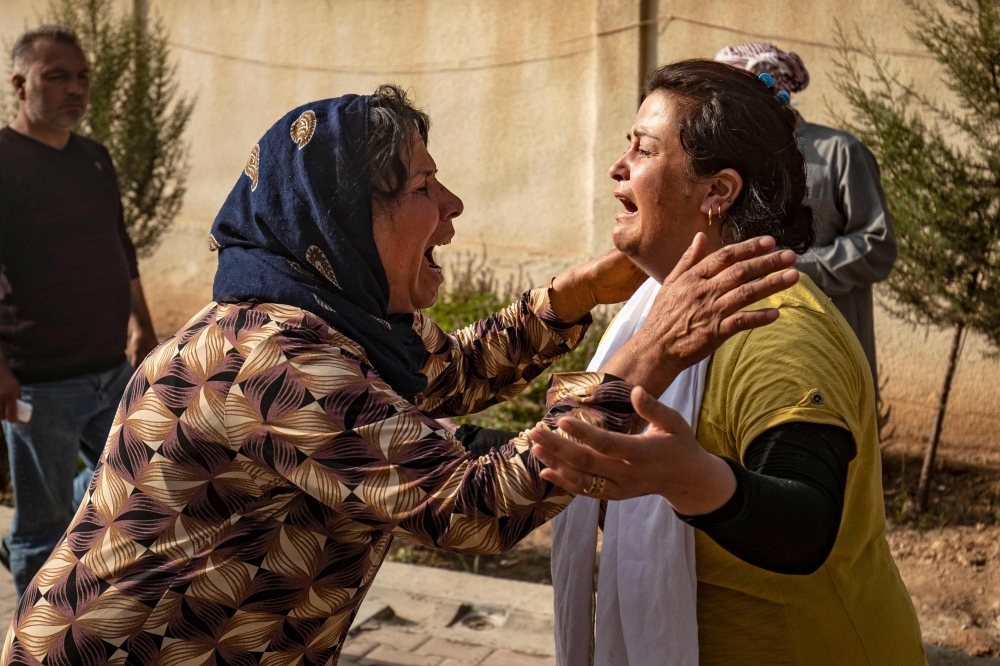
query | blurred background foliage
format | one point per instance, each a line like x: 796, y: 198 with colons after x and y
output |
x: 470, y: 293
x: 473, y: 292
x: 137, y: 111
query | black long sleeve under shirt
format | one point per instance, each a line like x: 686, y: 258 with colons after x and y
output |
x: 785, y: 513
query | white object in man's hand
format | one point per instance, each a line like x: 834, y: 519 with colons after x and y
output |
x: 24, y: 410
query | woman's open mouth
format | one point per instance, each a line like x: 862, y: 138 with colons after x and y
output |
x: 429, y: 258
x: 627, y: 203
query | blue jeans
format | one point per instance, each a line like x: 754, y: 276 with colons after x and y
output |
x: 71, y: 419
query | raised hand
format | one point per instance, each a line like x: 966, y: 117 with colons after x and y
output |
x: 610, y: 278
x: 664, y: 460
x: 700, y: 306
x: 613, y: 278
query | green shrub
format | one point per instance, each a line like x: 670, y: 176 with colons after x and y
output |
x: 471, y: 293
x: 528, y: 408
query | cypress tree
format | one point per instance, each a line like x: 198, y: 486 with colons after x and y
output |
x: 941, y: 174
x: 136, y: 111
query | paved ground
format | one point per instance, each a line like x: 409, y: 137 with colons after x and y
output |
x: 421, y: 616
x: 391, y: 647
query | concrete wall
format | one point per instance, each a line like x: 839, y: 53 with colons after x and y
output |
x: 530, y: 103
x: 912, y: 359
x: 515, y: 118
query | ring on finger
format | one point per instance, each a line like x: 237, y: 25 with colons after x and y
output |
x: 596, y: 485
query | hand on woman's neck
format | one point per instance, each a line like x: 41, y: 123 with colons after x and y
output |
x: 659, y: 268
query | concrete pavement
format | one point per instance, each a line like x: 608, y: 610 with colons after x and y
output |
x: 422, y: 616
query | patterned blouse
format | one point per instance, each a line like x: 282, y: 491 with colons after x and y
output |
x: 258, y: 469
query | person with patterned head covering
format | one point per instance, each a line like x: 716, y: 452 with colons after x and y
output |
x: 855, y: 243
x: 759, y: 57
x: 265, y: 456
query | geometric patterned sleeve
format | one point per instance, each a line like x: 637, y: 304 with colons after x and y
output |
x: 493, y: 359
x: 307, y: 409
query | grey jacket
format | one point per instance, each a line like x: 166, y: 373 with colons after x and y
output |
x: 855, y: 244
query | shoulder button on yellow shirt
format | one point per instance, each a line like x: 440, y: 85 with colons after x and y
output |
x: 806, y: 367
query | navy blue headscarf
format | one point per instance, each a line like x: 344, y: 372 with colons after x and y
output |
x: 297, y: 230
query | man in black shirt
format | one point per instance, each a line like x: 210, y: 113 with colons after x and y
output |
x: 73, y: 319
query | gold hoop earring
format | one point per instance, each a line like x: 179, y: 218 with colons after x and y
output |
x: 710, y: 215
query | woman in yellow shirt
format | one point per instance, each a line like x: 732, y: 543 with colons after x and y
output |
x: 782, y: 479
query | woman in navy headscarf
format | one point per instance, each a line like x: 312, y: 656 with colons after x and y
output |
x: 264, y: 456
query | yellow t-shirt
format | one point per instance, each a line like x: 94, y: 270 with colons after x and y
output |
x: 807, y: 367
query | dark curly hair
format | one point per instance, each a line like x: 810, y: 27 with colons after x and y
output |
x: 728, y: 118
x: 392, y: 121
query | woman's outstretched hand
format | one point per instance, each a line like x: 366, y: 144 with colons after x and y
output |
x: 664, y: 460
x: 700, y: 306
x: 610, y: 278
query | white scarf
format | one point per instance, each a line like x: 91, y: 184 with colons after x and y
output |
x: 647, y: 586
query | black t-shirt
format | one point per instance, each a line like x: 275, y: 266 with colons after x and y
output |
x: 66, y: 260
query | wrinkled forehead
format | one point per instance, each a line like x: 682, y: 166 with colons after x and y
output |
x: 658, y: 117
x: 51, y: 54
x: 418, y: 158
